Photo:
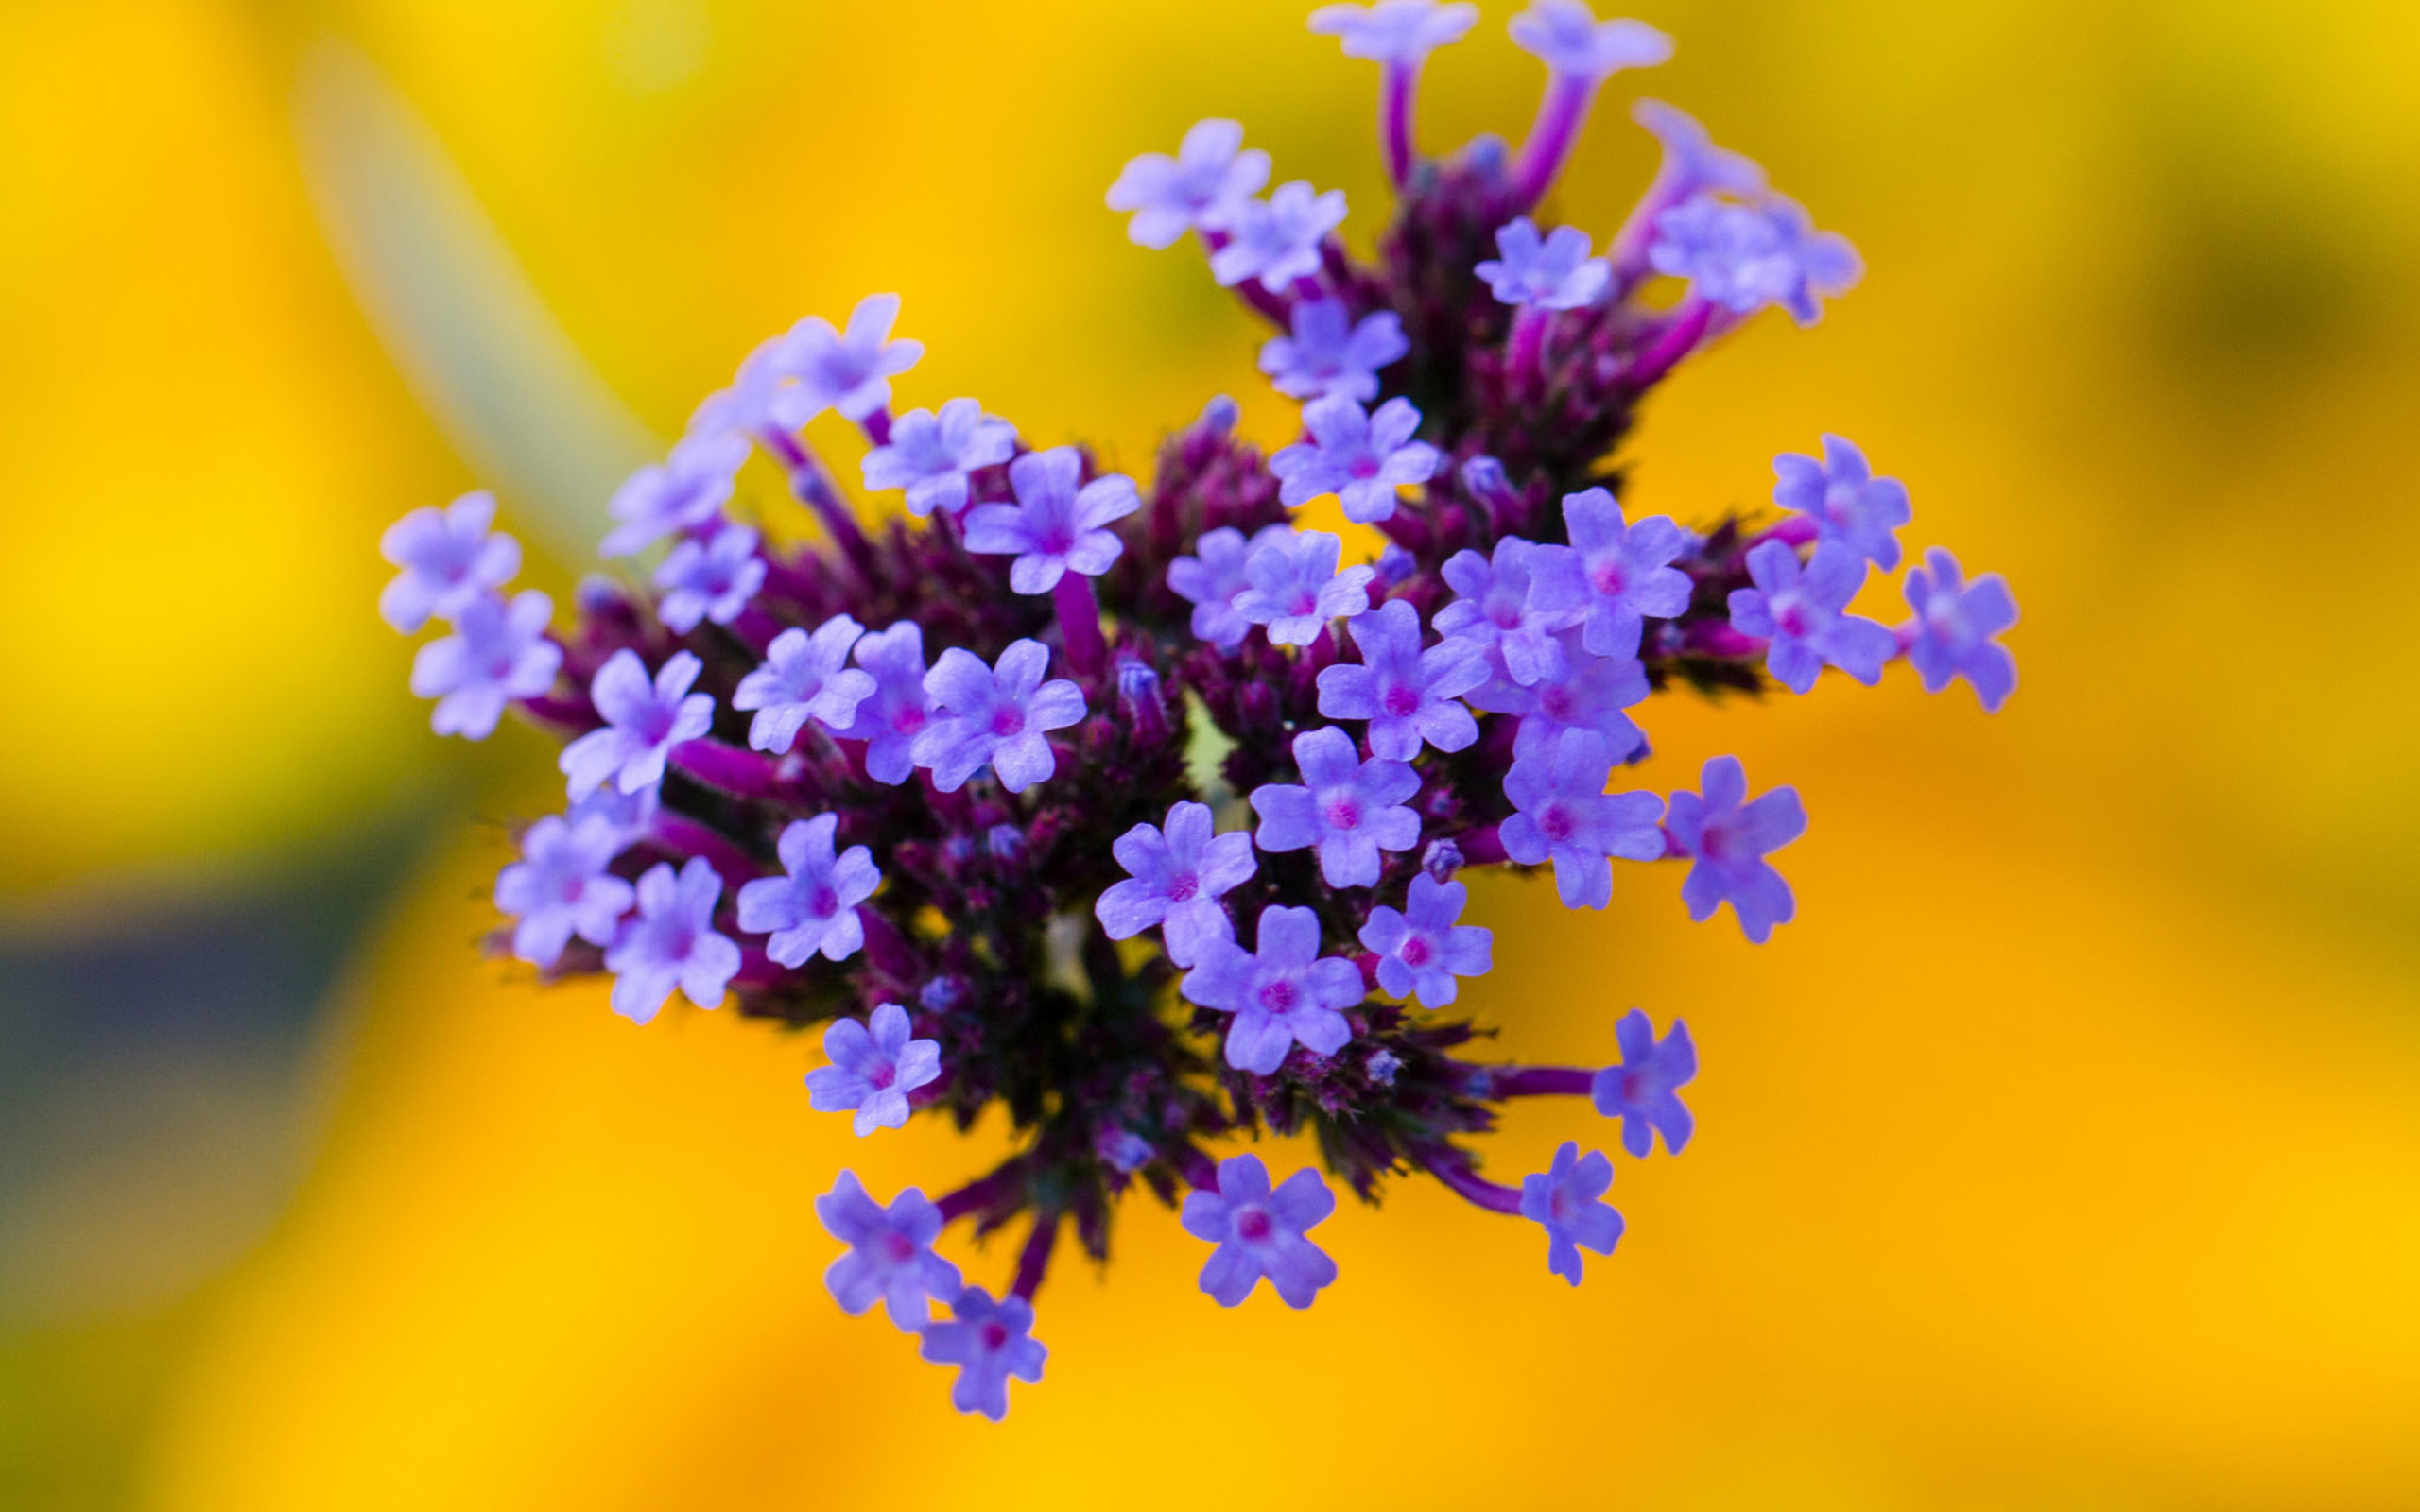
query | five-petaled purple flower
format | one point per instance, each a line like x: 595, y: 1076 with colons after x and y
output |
x: 1951, y: 635
x: 897, y: 711
x: 1495, y: 608
x: 1590, y: 693
x: 711, y: 580
x: 1401, y: 33
x: 1054, y: 528
x: 1566, y: 815
x: 686, y: 491
x: 802, y: 679
x: 1362, y: 458
x: 1292, y: 585
x: 559, y: 888
x: 813, y: 906
x: 1613, y: 574
x: 1331, y: 354
x: 1729, y: 837
x: 1214, y: 575
x: 1175, y: 877
x: 1692, y: 163
x: 1205, y: 184
x: 875, y: 1065
x: 498, y: 652
x: 449, y: 560
x: 890, y: 1257
x: 1277, y: 240
x: 1799, y: 609
x: 1554, y: 274
x: 1565, y: 1199
x: 1281, y: 992
x: 671, y: 942
x: 1347, y: 808
x: 1422, y: 950
x: 1566, y: 36
x: 1001, y: 716
x: 1407, y: 694
x: 989, y: 1342
x: 850, y: 371
x: 642, y: 722
x: 1744, y: 257
x: 1261, y: 1232
x: 1846, y: 501
x: 930, y: 456
x: 1642, y: 1089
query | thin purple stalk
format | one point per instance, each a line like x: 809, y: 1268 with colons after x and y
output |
x: 1453, y: 1168
x: 980, y: 1192
x: 1079, y: 623
x: 1480, y: 847
x: 1631, y: 244
x: 815, y: 490
x: 885, y: 946
x: 1277, y: 309
x: 1033, y: 1261
x: 1526, y: 351
x: 727, y: 769
x: 1561, y: 114
x: 1394, y: 120
x: 1680, y: 337
x: 680, y: 836
x: 877, y: 427
x: 1539, y: 1081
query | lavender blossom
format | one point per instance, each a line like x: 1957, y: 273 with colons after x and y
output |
x: 1566, y: 815
x: 1566, y: 36
x: 1281, y: 992
x: 1395, y: 31
x: 1421, y: 949
x: 1692, y: 163
x: 1495, y: 610
x: 1362, y: 458
x: 850, y: 371
x: 642, y: 722
x: 897, y: 711
x: 1407, y: 694
x: 497, y: 653
x: 1331, y: 354
x: 890, y: 1257
x: 1612, y: 574
x: 1260, y: 1232
x: 1642, y: 1089
x: 1800, y: 611
x: 931, y: 456
x: 1728, y: 838
x: 449, y: 560
x: 802, y: 679
x: 1563, y: 1199
x: 1744, y: 257
x: 1346, y: 808
x: 713, y: 579
x: 629, y: 816
x: 1214, y: 575
x: 671, y: 942
x: 1054, y: 528
x: 1951, y: 635
x: 1553, y: 274
x: 1204, y: 186
x: 1175, y: 877
x: 811, y: 908
x: 1845, y: 500
x: 684, y: 493
x: 1277, y: 240
x: 989, y: 1342
x: 559, y: 888
x: 1590, y: 693
x: 995, y: 716
x: 1293, y: 587
x: 875, y: 1065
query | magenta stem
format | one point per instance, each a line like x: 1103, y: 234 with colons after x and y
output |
x: 682, y: 835
x: 1539, y: 1081
x: 1033, y: 1263
x: 1198, y: 1171
x: 1679, y: 338
x: 815, y: 490
x: 1394, y: 120
x: 885, y: 946
x: 877, y: 427
x: 1274, y: 308
x: 1560, y: 116
x: 1631, y: 245
x: 727, y: 769
x: 1481, y: 846
x: 1079, y: 623
x: 1528, y: 343
x: 1795, y: 530
x: 1717, y: 638
x: 1451, y: 1167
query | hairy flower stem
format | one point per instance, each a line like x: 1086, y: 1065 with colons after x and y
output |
x: 1079, y: 623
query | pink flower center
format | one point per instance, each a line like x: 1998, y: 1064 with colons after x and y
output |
x: 1365, y: 466
x: 1402, y: 701
x: 1344, y: 813
x: 1605, y: 574
x: 1556, y: 822
x: 899, y: 1247
x: 824, y: 902
x: 1415, y: 951
x: 996, y: 1337
x: 1278, y: 997
x: 1183, y: 887
x: 1008, y: 720
x: 1254, y: 1224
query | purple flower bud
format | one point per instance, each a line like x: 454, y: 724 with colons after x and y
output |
x: 1260, y: 1232
x: 1612, y: 574
x: 812, y: 907
x: 875, y: 1065
x: 671, y: 942
x: 1951, y: 635
x: 1277, y: 240
x: 497, y: 653
x: 896, y: 711
x: 931, y: 455
x: 1641, y: 1090
x: 1203, y: 185
x: 1407, y: 694
x: 1293, y: 587
x: 1553, y: 274
x: 1382, y: 1066
x: 1054, y: 528
x: 989, y: 1342
x: 1123, y: 1150
x: 559, y: 888
x: 711, y: 579
x: 1442, y: 860
x: 1565, y: 816
x: 1396, y: 566
x: 1421, y: 949
x: 1362, y: 458
x: 448, y: 560
x: 1347, y: 808
x: 1175, y: 876
x: 642, y: 722
x: 1801, y: 612
x: 890, y: 1257
x: 1000, y: 717
x: 1845, y: 500
x: 1330, y: 354
x: 684, y: 493
x: 1563, y: 1199
x: 802, y: 679
x: 1281, y: 992
x: 1220, y: 415
x: 1728, y: 838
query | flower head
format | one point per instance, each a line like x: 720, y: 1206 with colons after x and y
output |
x: 1407, y: 694
x: 559, y: 888
x: 1612, y: 574
x: 1845, y: 500
x: 1399, y: 32
x: 1176, y: 874
x: 1421, y: 949
x: 875, y: 1065
x: 897, y: 711
x: 989, y: 1342
x: 1204, y: 185
x: 1642, y: 1089
x: 1692, y: 163
x: 1292, y: 585
x: 686, y: 491
x: 448, y: 560
x: 851, y: 370
x: 1495, y: 610
x: 711, y: 579
x: 997, y: 717
x: 1054, y: 528
x: 498, y: 652
x: 1951, y: 635
x: 671, y: 942
x: 1214, y: 575
x: 890, y: 1257
x: 1800, y: 610
x: 1744, y: 257
x: 1277, y: 240
x: 1553, y: 274
x: 642, y: 722
x: 802, y: 679
x: 1565, y: 816
x: 1330, y: 352
x: 930, y: 456
x: 811, y: 908
x: 1569, y: 38
x: 1590, y: 693
x: 1362, y: 458
x: 1564, y: 1200
x: 1260, y: 1232
x: 1346, y: 808
x: 1283, y: 991
x: 1728, y: 838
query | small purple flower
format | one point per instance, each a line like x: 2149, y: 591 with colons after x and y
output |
x: 931, y: 456
x: 686, y: 491
x: 1281, y: 992
x: 1362, y: 458
x: 875, y: 1065
x: 1260, y: 1232
x: 642, y: 722
x: 813, y: 906
x: 1846, y: 501
x: 711, y: 579
x: 1565, y: 1199
x: 1643, y: 1089
x: 997, y: 716
x: 1591, y: 693
x: 896, y: 711
x: 1175, y: 877
x: 890, y: 1257
x: 1495, y: 608
x: 849, y: 372
x: 1744, y: 257
x: 1728, y: 840
x: 1293, y: 587
x: 1401, y: 33
x: 449, y: 560
x: 1330, y: 354
x: 671, y: 942
x: 1613, y: 574
x: 1404, y: 692
x: 1692, y: 163
x: 1800, y: 611
x: 559, y: 888
x: 1553, y: 274
x: 1277, y: 240
x: 631, y: 816
x: 1205, y: 184
x: 1214, y: 575
x: 1951, y: 635
x: 1569, y: 38
x: 498, y: 652
x: 1054, y: 528
x: 1347, y: 808
x: 1422, y: 950
x: 1566, y: 815
x: 989, y: 1342
x: 802, y: 679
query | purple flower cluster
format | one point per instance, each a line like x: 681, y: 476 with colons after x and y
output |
x: 1133, y: 813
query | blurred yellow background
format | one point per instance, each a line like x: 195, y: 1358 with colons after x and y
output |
x: 2064, y: 1154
